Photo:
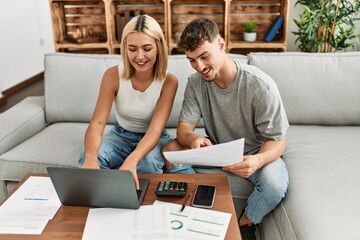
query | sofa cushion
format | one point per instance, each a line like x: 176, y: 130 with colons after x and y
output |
x: 316, y: 88
x: 57, y: 145
x: 323, y: 175
x: 21, y: 122
x: 72, y: 83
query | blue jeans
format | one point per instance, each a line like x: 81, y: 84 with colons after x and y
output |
x: 118, y: 143
x: 270, y: 185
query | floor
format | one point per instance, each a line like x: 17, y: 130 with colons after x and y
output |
x: 34, y: 89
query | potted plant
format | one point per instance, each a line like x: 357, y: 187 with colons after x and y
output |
x: 326, y: 25
x: 249, y: 34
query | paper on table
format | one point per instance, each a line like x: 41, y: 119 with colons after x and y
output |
x: 146, y: 223
x: 196, y: 223
x: 218, y: 155
x: 20, y: 225
x: 30, y: 207
x: 36, y: 197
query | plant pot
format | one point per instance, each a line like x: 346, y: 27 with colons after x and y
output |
x: 250, y: 37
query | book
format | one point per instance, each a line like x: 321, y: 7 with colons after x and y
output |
x: 274, y: 29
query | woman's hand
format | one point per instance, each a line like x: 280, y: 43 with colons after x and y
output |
x: 91, y: 163
x: 130, y: 165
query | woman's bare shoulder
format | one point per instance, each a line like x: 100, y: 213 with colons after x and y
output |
x: 113, y: 71
x: 171, y: 78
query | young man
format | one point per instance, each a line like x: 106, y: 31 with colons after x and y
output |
x: 235, y: 101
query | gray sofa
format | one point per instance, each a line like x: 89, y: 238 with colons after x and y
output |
x: 321, y: 94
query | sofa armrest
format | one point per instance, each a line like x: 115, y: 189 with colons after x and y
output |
x: 21, y: 121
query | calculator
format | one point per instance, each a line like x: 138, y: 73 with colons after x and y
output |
x: 171, y: 189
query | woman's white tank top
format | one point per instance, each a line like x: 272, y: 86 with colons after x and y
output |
x: 134, y: 109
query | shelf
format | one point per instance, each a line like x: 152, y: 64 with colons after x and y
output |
x: 105, y: 19
x: 183, y: 12
x: 154, y: 8
x: 67, y: 44
x: 260, y: 45
x: 263, y: 13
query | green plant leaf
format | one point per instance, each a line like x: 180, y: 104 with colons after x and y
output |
x: 249, y: 26
x: 326, y: 25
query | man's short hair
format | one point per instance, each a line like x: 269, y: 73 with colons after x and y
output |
x: 197, y: 32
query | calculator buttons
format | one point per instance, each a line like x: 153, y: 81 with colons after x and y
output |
x: 171, y: 189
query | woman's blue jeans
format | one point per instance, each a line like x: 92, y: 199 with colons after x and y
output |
x: 118, y: 143
x: 270, y: 185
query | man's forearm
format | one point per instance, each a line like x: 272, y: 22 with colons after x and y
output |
x: 270, y: 151
x: 185, y: 134
x: 185, y: 138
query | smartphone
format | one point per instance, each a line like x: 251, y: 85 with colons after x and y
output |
x: 204, y: 196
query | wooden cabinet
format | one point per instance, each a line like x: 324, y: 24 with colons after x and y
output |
x: 94, y: 26
x: 72, y: 19
x: 154, y: 8
x: 182, y: 12
x: 263, y: 13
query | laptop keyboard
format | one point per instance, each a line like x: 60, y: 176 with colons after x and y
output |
x: 138, y: 193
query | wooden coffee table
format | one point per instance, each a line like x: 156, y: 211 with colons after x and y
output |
x: 69, y: 221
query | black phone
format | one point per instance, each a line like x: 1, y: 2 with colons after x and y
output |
x: 204, y: 196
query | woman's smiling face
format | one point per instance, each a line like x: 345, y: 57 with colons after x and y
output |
x: 141, y: 51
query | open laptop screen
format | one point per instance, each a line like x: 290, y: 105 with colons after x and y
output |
x: 97, y: 187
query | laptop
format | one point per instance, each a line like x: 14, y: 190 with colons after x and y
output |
x: 110, y: 188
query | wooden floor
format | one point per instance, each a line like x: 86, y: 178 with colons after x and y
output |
x: 35, y: 88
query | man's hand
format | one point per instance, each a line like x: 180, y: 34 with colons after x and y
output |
x: 187, y: 138
x: 246, y: 168
x: 199, y: 142
x: 131, y: 166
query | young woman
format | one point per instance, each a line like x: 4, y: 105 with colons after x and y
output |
x: 143, y: 93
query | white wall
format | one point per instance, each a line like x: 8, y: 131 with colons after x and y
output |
x: 293, y: 13
x: 26, y: 34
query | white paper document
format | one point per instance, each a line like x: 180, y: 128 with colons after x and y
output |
x: 196, y: 223
x: 218, y: 155
x: 19, y: 225
x: 30, y: 207
x: 146, y: 223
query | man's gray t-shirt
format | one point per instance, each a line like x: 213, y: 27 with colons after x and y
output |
x: 250, y: 108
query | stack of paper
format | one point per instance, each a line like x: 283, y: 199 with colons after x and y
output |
x: 29, y: 209
x: 196, y: 223
x: 147, y: 222
x: 155, y: 222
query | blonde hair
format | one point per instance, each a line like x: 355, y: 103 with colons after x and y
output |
x: 149, y: 26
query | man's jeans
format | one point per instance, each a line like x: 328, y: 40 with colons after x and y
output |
x: 118, y: 143
x: 270, y: 185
